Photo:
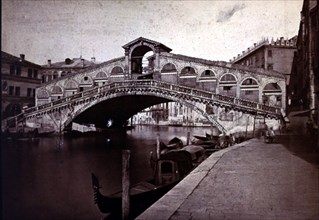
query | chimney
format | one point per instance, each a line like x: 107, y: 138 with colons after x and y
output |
x: 49, y: 63
x: 82, y: 61
x: 22, y: 57
x: 93, y: 59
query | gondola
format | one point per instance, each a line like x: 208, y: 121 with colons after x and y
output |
x: 169, y: 170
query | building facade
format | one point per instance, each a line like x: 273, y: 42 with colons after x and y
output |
x: 303, y: 89
x: 19, y: 80
x: 304, y: 84
x: 268, y: 54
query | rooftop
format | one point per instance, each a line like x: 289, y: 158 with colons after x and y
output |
x: 70, y: 63
x: 6, y: 57
x: 281, y: 42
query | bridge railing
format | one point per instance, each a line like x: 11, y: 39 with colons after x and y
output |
x: 169, y: 87
x: 147, y: 83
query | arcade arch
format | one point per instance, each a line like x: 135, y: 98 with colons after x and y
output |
x: 71, y: 87
x: 85, y: 83
x: 228, y: 84
x: 115, y: 70
x: 188, y: 76
x: 272, y: 95
x: 207, y: 73
x: 207, y: 80
x: 169, y: 68
x: 56, y: 93
x: 101, y: 78
x: 249, y: 89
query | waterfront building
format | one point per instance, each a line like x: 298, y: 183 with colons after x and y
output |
x: 303, y: 88
x: 52, y: 71
x: 271, y: 54
x: 19, y: 80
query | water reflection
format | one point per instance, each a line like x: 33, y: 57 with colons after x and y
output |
x: 51, y: 178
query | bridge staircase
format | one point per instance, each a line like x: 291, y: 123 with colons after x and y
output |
x: 186, y: 95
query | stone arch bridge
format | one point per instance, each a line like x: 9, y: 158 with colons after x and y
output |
x: 121, y: 87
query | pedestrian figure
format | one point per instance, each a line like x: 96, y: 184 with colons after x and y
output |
x: 270, y: 135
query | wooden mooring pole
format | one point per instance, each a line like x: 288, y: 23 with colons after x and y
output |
x: 126, y: 184
x: 158, y: 146
x: 188, y: 138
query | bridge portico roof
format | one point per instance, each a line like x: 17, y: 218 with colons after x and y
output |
x: 155, y: 43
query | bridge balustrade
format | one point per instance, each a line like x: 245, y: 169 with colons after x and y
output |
x: 225, y: 98
x: 59, y: 101
x: 44, y: 106
x: 247, y: 103
x: 75, y: 96
x: 269, y: 109
x: 90, y: 92
x: 203, y: 94
x: 29, y: 110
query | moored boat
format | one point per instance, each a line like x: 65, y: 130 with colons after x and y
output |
x: 169, y: 170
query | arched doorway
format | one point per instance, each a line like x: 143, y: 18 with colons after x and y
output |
x: 134, y: 54
x: 142, y: 62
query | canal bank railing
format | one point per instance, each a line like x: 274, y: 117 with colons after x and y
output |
x: 160, y: 88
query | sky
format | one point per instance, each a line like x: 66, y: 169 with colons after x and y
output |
x: 211, y: 29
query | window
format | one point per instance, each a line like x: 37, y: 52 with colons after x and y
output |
x: 29, y: 73
x: 33, y: 93
x: 12, y: 69
x: 85, y: 78
x: 29, y: 91
x: 11, y: 88
x: 35, y: 74
x: 269, y: 53
x: 43, y: 79
x: 18, y: 71
x: 227, y: 88
x: 17, y: 91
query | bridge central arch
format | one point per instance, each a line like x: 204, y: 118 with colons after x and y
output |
x: 118, y: 109
x: 122, y: 105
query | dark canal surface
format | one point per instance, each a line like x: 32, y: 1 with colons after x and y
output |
x: 51, y: 178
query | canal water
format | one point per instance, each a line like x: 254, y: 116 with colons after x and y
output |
x: 51, y: 178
